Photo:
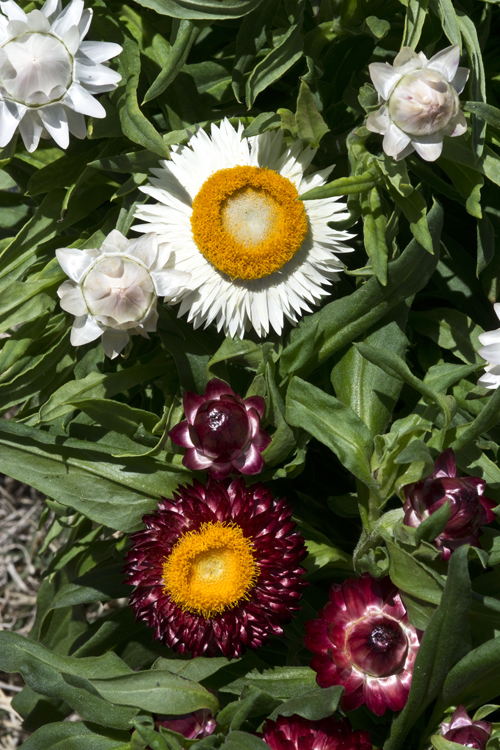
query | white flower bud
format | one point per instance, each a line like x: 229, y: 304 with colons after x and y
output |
x: 113, y: 291
x: 420, y: 102
x: 48, y: 74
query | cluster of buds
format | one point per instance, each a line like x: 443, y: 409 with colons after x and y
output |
x: 469, y: 508
x: 419, y: 99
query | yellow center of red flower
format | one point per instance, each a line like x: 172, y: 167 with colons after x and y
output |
x: 248, y: 221
x: 210, y: 570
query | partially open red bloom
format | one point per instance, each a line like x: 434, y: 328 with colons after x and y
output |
x: 222, y: 431
x: 462, y: 730
x: 297, y: 733
x: 217, y: 568
x: 469, y: 508
x: 363, y: 641
x: 199, y: 723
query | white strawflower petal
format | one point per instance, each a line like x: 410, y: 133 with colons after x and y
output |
x: 428, y: 147
x: 76, y: 123
x: 407, y: 58
x: 100, y: 51
x: 82, y: 101
x: 71, y: 40
x: 31, y: 129
x: 117, y: 241
x: 75, y: 263
x: 85, y: 330
x: 12, y: 10
x: 51, y: 9
x: 384, y: 78
x: 145, y: 249
x: 113, y: 342
x: 37, y: 21
x: 55, y: 122
x: 491, y: 377
x: 446, y: 62
x: 490, y: 337
x: 84, y: 23
x: 379, y: 121
x: 72, y: 298
x: 10, y: 114
x: 263, y: 296
x: 461, y: 78
x: 69, y: 17
x: 395, y: 141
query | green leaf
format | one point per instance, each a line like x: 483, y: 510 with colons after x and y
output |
x: 116, y: 416
x: 452, y: 330
x: 340, y: 322
x: 187, y: 33
x: 280, y: 682
x: 157, y: 691
x: 432, y: 526
x: 352, y: 185
x: 197, y: 669
x: 488, y: 163
x: 439, y: 743
x: 253, y: 34
x: 278, y: 60
x: 414, y: 208
x: 209, y: 10
x: 334, y: 424
x: 486, y: 111
x: 478, y: 78
x: 374, y: 228
x: 444, y: 643
x: 310, y: 125
x: 486, y: 419
x: 411, y: 577
x: 449, y: 21
x: 416, y: 11
x: 468, y: 182
x: 397, y: 368
x: 244, y: 741
x: 77, y: 735
x: 314, y: 705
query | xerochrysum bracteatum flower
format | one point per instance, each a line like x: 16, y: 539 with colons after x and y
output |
x: 469, y: 508
x: 222, y: 431
x: 48, y: 75
x: 419, y: 100
x: 490, y: 351
x: 230, y: 208
x: 217, y: 568
x: 297, y: 733
x: 462, y: 730
x: 364, y: 641
x: 113, y: 291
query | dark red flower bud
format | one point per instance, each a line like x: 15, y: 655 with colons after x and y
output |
x: 222, y: 431
x: 296, y: 733
x: 200, y: 723
x: 469, y: 508
x: 462, y: 730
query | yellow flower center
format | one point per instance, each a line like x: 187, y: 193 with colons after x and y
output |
x: 210, y: 570
x: 248, y: 222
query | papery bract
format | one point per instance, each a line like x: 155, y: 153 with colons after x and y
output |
x: 364, y: 641
x: 113, y: 291
x: 222, y: 431
x: 490, y: 351
x: 217, y: 568
x: 48, y: 75
x: 464, y: 731
x: 296, y: 733
x: 470, y: 509
x: 419, y: 100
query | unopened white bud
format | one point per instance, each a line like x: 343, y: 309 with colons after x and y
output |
x: 423, y: 103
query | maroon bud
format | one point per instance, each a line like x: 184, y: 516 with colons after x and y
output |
x: 462, y: 730
x: 222, y: 431
x: 469, y: 509
x: 192, y: 726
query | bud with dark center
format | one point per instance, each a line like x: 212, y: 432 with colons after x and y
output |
x: 222, y: 431
x: 296, y: 733
x: 464, y: 731
x: 469, y: 508
x: 363, y: 641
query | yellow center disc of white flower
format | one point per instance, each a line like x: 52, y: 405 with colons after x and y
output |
x: 248, y: 221
x: 210, y: 570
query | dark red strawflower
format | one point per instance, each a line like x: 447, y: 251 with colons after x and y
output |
x: 222, y: 431
x: 296, y: 733
x: 217, y: 568
x: 363, y: 641
x: 195, y: 725
x: 462, y: 730
x: 469, y: 508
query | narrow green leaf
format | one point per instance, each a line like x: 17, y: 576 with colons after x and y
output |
x: 414, y: 208
x: 474, y: 680
x: 311, y: 126
x: 315, y: 705
x: 486, y: 419
x: 77, y: 735
x: 449, y: 20
x: 488, y: 113
x: 253, y: 34
x: 352, y: 185
x: 468, y: 182
x: 207, y: 10
x: 478, y: 78
x: 374, y: 228
x: 411, y: 577
x: 187, y: 33
x: 416, y: 11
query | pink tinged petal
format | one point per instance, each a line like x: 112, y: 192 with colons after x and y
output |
x: 460, y: 125
x: 395, y: 141
x: 196, y: 461
x: 217, y: 388
x: 55, y: 122
x: 354, y: 598
x: 445, y: 465
x: 100, y: 51
x: 75, y: 263
x: 113, y: 342
x: 446, y: 62
x: 379, y: 121
x: 384, y: 78
x: 85, y: 330
x: 72, y: 298
x: 192, y: 403
x: 353, y: 700
x: 251, y: 462
x: 180, y: 435
x: 10, y: 116
x: 460, y: 79
x: 428, y: 147
x: 257, y: 403
x: 81, y: 101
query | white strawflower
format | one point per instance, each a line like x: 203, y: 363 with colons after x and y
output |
x: 113, y: 291
x: 48, y: 75
x: 230, y: 208
x: 420, y: 103
x: 491, y: 353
